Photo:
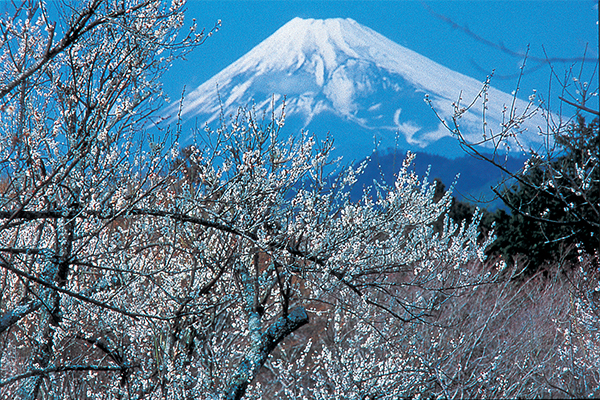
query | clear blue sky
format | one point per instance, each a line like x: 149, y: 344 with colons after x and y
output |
x: 562, y: 28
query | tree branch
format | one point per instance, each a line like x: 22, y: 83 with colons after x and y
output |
x: 77, y: 295
x: 249, y: 368
x: 581, y: 107
x: 13, y: 316
x: 76, y: 30
x: 60, y: 368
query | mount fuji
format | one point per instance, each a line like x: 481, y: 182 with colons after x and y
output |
x: 338, y: 76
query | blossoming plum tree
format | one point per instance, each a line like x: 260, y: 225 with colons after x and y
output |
x: 132, y: 269
x: 554, y: 197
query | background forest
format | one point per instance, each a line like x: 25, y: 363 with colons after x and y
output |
x: 242, y: 267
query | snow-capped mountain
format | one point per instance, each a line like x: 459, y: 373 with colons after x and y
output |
x: 341, y: 77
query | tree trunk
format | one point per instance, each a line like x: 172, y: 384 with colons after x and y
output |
x: 256, y: 357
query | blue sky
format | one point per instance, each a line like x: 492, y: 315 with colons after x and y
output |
x: 562, y: 28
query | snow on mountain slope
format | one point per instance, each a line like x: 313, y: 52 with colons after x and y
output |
x: 338, y: 75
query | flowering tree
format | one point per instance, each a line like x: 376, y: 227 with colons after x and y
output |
x: 76, y: 83
x: 554, y: 197
x: 533, y: 339
x: 131, y: 269
x: 537, y: 336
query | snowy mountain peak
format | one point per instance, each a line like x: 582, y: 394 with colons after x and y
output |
x: 340, y: 76
x: 323, y: 41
